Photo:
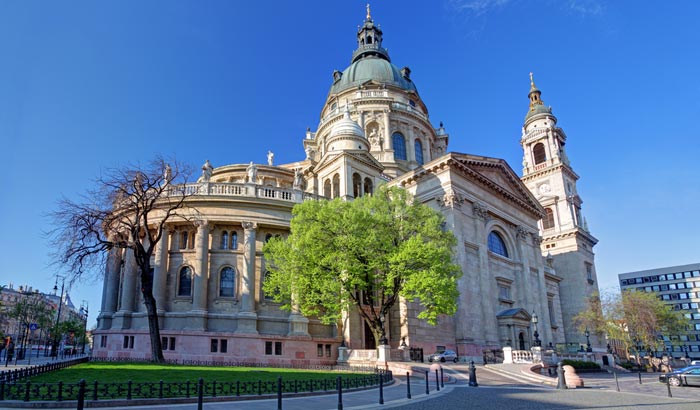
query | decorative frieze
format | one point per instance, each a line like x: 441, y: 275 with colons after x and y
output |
x: 450, y: 200
x: 481, y: 211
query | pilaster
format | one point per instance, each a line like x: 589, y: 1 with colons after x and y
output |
x: 247, y: 317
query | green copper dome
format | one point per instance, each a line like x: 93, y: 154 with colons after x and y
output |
x: 372, y: 68
x: 371, y: 62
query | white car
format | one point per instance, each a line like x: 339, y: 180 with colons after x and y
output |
x: 447, y: 355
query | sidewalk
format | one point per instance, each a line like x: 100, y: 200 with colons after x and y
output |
x: 35, y: 361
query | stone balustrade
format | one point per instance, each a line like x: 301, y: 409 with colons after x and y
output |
x: 244, y: 190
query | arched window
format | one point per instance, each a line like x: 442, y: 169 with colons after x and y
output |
x: 369, y: 189
x: 183, y: 239
x: 227, y: 282
x: 399, y: 146
x: 184, y: 285
x: 267, y: 295
x: 336, y: 186
x: 356, y: 185
x: 224, y: 240
x: 327, y: 189
x: 419, y: 151
x: 497, y: 245
x: 268, y: 237
x: 234, y: 240
x: 548, y: 221
x: 538, y: 152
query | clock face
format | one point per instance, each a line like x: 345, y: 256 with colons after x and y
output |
x: 544, y: 189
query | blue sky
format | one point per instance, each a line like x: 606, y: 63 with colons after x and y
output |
x: 89, y: 85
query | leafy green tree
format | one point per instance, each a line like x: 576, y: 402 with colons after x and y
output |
x: 30, y: 308
x: 128, y: 209
x: 369, y: 252
x: 639, y: 320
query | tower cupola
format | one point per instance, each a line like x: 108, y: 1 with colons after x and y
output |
x: 369, y: 40
x: 536, y: 104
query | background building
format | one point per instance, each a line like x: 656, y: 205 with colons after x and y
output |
x: 374, y: 128
x: 679, y: 286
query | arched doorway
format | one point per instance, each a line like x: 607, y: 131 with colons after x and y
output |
x: 521, y: 341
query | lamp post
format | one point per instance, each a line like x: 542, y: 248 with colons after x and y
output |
x: 54, y: 348
x: 84, y: 310
x: 588, y: 341
x: 537, y: 342
x: 685, y: 348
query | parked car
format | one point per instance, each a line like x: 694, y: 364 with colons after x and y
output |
x: 443, y: 356
x: 687, y: 376
x: 695, y: 363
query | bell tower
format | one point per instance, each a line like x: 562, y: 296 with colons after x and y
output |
x: 566, y: 241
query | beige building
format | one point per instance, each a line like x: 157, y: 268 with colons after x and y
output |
x: 374, y: 129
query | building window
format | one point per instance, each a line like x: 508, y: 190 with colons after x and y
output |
x: 548, y: 221
x: 277, y: 348
x: 328, y: 350
x: 234, y: 240
x: 589, y: 272
x: 319, y: 350
x: 183, y: 239
x: 184, y: 286
x: 164, y: 343
x: 369, y: 189
x: 223, y: 345
x: 268, y: 296
x: 419, y: 152
x: 336, y: 186
x: 539, y: 153
x: 399, y: 146
x: 550, y: 307
x: 214, y: 345
x: 128, y: 342
x: 327, y: 189
x: 356, y: 185
x: 172, y: 344
x: 103, y: 341
x: 227, y: 282
x: 496, y: 244
x: 504, y: 292
x: 224, y: 240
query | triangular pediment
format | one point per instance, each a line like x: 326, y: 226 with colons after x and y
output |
x: 359, y: 156
x: 514, y: 314
x: 497, y: 174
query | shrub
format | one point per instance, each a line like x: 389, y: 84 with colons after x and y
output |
x: 580, y: 364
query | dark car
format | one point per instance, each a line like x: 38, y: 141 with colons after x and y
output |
x: 687, y: 376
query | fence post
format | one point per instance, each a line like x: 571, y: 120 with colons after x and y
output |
x: 187, y: 388
x: 279, y: 392
x: 617, y: 383
x: 2, y: 390
x: 339, y: 383
x: 259, y: 387
x: 94, y: 392
x: 60, y: 391
x: 408, y: 385
x: 26, y: 392
x: 200, y: 393
x: 668, y: 386
x: 238, y: 388
x: 81, y: 394
x: 442, y: 378
x: 427, y: 387
x: 381, y: 388
x: 213, y: 388
x: 160, y: 390
x: 472, y: 375
x: 639, y: 373
x: 437, y: 379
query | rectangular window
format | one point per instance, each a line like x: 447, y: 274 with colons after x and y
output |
x: 223, y: 344
x: 696, y: 273
x: 680, y: 285
x: 164, y: 343
x: 328, y: 350
x: 278, y: 348
x: 655, y: 288
x: 550, y: 307
x: 664, y: 287
x: 214, y: 345
x: 103, y: 341
x: 504, y: 292
x: 679, y: 275
x: 687, y: 274
x: 319, y: 350
x: 172, y: 343
x: 268, y: 348
x: 672, y: 286
x: 666, y: 297
x: 131, y: 342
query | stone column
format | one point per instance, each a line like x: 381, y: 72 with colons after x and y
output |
x: 486, y: 282
x: 110, y: 289
x: 410, y: 144
x: 201, y: 277
x: 160, y: 270
x: 521, y: 235
x: 247, y: 318
x: 388, y: 141
x: 122, y: 319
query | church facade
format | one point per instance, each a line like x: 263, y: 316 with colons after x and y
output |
x: 526, y: 255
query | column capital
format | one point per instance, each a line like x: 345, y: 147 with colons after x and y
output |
x: 201, y: 223
x: 249, y: 226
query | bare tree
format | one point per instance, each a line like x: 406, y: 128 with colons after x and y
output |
x: 127, y: 210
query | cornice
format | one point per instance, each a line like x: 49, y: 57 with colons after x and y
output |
x: 550, y: 170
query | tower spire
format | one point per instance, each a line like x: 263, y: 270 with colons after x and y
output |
x: 534, y: 94
x: 369, y: 14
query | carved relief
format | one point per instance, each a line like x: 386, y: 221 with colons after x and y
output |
x: 450, y: 200
x: 249, y: 226
x: 522, y: 232
x: 481, y: 211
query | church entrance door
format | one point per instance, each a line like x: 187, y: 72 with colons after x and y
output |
x: 369, y: 337
x: 521, y: 341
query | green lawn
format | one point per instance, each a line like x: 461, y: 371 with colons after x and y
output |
x: 143, y: 372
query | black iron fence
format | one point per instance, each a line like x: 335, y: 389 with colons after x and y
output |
x: 17, y: 375
x: 28, y: 391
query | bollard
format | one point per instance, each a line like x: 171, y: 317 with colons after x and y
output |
x: 617, y: 383
x: 561, y: 380
x: 442, y: 378
x: 639, y: 373
x: 279, y: 392
x: 472, y: 375
x: 668, y: 387
x: 381, y: 389
x: 437, y: 380
x: 427, y: 387
x: 81, y: 394
x: 339, y: 383
x: 408, y: 385
x: 200, y: 394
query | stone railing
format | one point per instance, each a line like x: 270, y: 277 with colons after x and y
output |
x: 245, y: 190
x: 405, y: 107
x: 364, y: 355
x: 522, y: 356
x: 372, y: 94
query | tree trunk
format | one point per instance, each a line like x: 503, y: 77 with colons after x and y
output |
x: 153, y: 327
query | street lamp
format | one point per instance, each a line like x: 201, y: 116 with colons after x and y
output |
x: 537, y: 342
x: 54, y: 348
x: 588, y: 341
x: 685, y: 348
x: 84, y: 310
